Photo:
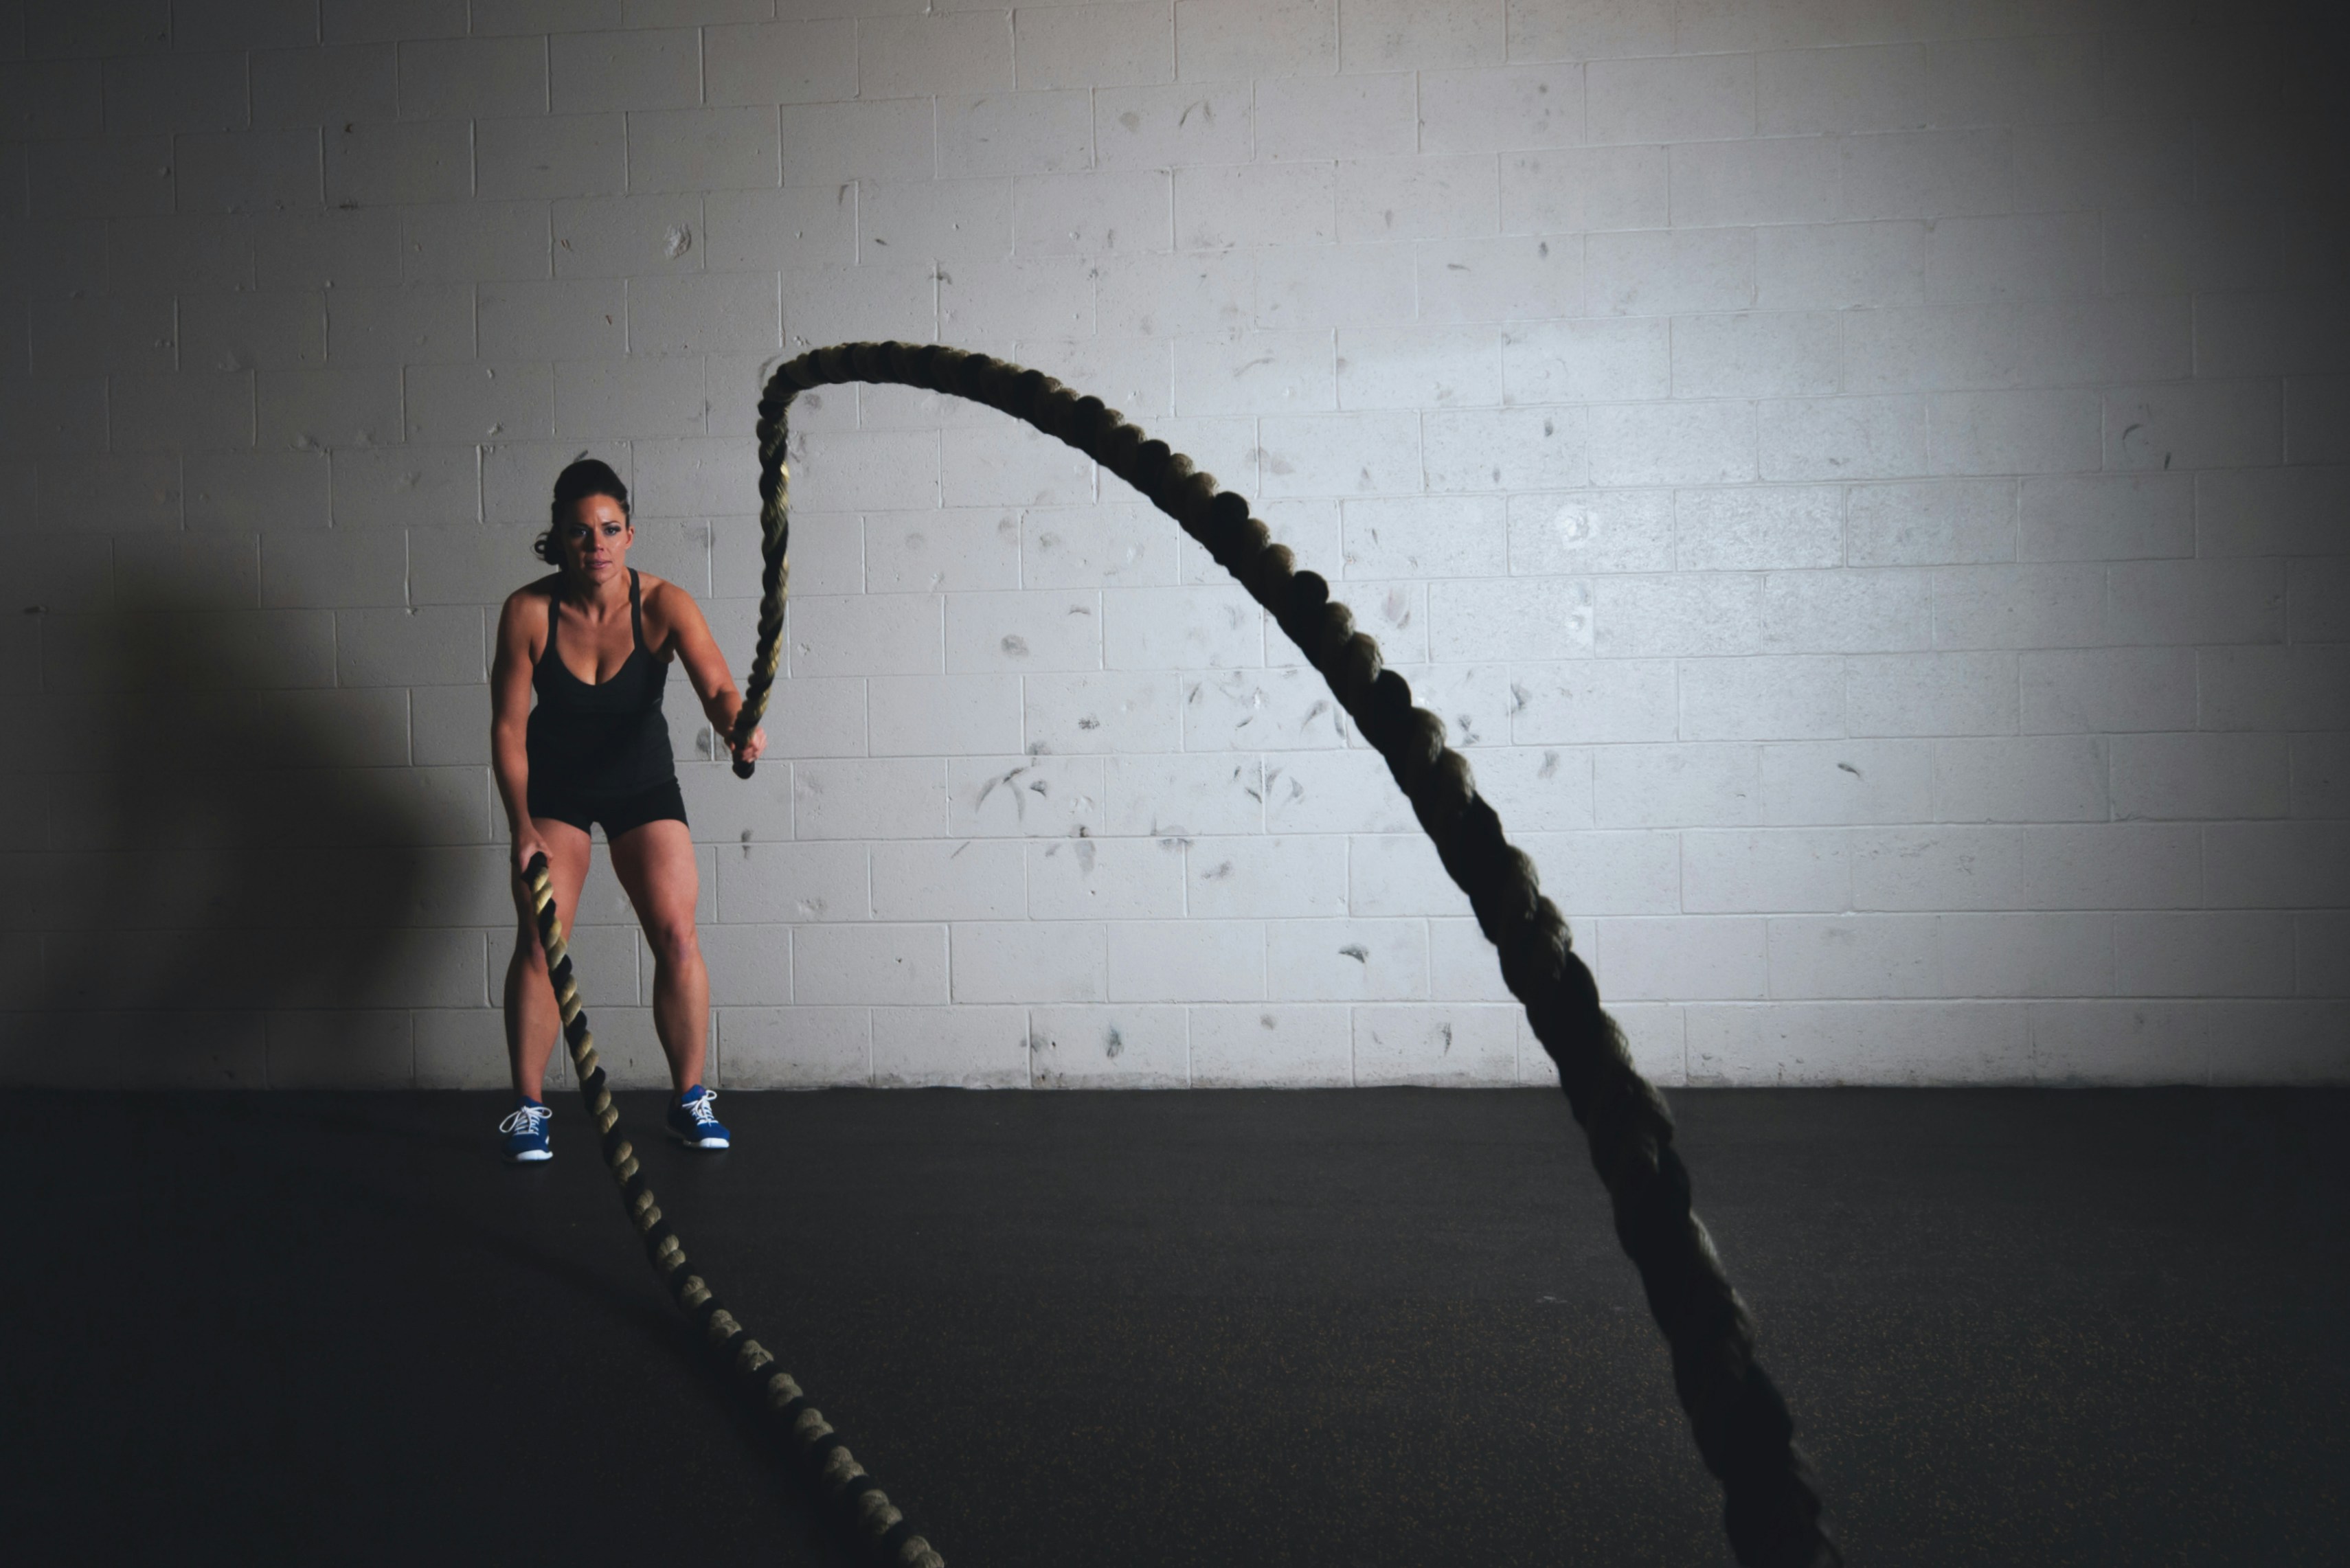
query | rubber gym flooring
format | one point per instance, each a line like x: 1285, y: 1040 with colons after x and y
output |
x: 1356, y: 1328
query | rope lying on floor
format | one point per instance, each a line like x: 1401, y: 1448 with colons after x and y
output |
x: 1771, y: 1505
x: 879, y: 1523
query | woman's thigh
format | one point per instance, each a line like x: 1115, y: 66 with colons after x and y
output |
x: 566, y: 871
x: 657, y: 868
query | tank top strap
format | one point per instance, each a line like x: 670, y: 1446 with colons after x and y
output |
x: 554, y: 618
x: 637, y: 609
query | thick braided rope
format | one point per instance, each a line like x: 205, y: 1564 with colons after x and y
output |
x: 877, y: 1524
x: 1770, y: 1504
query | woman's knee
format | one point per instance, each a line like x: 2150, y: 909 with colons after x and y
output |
x: 673, y: 940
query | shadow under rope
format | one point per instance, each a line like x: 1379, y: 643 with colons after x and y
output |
x: 215, y: 774
x: 513, y: 1251
x: 336, y: 1329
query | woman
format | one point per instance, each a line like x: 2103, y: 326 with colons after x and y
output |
x: 592, y: 641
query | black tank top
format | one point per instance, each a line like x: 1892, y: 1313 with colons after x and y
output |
x: 605, y: 738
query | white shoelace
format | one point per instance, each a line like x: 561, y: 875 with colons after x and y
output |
x: 700, y: 1109
x: 524, y: 1118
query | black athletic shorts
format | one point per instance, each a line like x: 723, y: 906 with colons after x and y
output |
x: 617, y: 813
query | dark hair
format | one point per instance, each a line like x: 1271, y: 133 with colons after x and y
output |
x: 586, y: 476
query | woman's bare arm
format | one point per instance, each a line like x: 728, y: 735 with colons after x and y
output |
x: 705, y: 666
x: 510, y: 671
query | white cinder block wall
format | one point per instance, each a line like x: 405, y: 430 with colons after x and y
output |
x: 1863, y: 479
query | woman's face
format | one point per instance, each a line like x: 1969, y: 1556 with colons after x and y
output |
x: 594, y: 539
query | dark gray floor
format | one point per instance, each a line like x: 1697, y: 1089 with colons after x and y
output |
x: 1376, y: 1328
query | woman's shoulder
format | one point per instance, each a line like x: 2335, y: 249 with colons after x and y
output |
x: 663, y: 598
x: 531, y: 597
x: 536, y: 589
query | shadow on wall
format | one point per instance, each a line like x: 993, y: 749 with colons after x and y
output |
x: 245, y: 884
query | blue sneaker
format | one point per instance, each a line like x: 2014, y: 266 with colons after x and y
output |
x: 692, y: 1123
x: 525, y: 1130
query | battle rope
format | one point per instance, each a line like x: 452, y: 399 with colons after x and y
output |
x: 1771, y: 1505
x: 881, y: 1526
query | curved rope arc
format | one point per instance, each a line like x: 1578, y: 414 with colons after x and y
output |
x: 877, y: 1523
x: 1770, y: 1508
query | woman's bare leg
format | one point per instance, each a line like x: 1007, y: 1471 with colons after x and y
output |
x: 532, y: 1022
x: 657, y: 867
